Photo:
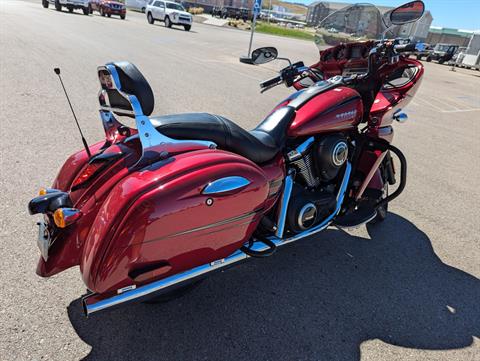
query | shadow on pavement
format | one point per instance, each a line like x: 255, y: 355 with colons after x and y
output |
x: 317, y: 299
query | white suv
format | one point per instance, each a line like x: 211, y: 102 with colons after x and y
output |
x: 169, y: 12
x: 69, y: 4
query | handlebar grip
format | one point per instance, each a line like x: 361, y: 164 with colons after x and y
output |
x: 269, y: 82
x: 405, y: 47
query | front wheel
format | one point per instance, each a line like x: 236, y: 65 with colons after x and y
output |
x: 70, y: 10
x: 122, y: 17
x: 58, y: 6
x: 45, y: 4
x: 86, y: 11
x: 429, y: 59
x: 150, y: 19
x: 187, y: 27
x: 109, y: 15
x: 382, y: 211
x: 168, y: 23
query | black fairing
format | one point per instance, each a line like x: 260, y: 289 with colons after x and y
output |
x: 49, y: 202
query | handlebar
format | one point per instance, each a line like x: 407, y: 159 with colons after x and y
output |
x: 273, y: 81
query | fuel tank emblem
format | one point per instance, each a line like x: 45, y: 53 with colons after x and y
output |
x: 346, y: 115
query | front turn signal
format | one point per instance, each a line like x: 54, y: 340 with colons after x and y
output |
x: 64, y: 217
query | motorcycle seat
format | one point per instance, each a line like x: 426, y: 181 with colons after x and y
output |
x: 260, y: 145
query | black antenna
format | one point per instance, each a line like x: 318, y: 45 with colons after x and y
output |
x: 57, y: 71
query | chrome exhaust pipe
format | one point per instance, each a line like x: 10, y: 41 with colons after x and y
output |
x: 94, y: 302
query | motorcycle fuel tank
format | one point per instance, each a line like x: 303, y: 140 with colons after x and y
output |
x: 336, y: 109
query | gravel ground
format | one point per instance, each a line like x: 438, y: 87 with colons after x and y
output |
x: 407, y: 289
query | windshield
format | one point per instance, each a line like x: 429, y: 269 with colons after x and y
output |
x: 349, y: 24
x: 175, y: 7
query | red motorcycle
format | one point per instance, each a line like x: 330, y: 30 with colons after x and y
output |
x: 151, y: 210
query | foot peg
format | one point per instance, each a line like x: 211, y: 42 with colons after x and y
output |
x: 357, y: 218
x: 256, y: 248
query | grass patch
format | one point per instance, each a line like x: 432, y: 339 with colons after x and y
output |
x: 266, y: 28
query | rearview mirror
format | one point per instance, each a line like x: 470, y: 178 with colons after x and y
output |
x: 407, y: 13
x: 264, y: 55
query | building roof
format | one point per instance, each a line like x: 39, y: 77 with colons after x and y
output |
x: 340, y: 5
x: 450, y: 31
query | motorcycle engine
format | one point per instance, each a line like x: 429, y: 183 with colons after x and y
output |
x: 313, y: 194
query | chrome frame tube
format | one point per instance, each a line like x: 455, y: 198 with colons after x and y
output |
x: 141, y: 292
x: 282, y: 213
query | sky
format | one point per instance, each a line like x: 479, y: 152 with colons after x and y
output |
x: 458, y: 14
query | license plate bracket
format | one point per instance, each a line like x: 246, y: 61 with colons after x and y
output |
x: 44, y: 239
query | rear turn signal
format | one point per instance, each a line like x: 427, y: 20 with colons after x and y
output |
x: 64, y: 217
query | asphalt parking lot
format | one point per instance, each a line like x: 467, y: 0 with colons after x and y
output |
x: 407, y: 289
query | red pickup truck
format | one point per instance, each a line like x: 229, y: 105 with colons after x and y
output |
x: 109, y: 8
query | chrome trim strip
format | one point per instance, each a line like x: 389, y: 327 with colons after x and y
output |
x: 211, y: 225
x: 226, y: 184
x: 196, y: 272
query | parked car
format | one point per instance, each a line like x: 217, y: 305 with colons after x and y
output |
x: 225, y: 12
x: 109, y: 8
x: 169, y: 12
x: 441, y: 53
x: 69, y: 4
x: 140, y: 5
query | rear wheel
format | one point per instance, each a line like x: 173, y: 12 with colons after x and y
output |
x: 58, y: 6
x: 70, y: 10
x: 429, y: 59
x: 150, y: 18
x: 168, y: 23
x: 86, y: 11
x: 45, y: 4
x: 109, y: 15
x: 187, y: 27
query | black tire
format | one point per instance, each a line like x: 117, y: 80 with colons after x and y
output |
x: 419, y: 57
x: 143, y: 10
x: 382, y: 211
x: 441, y: 61
x: 122, y: 17
x: 176, y: 293
x: 168, y: 22
x: 58, y: 7
x: 109, y: 15
x: 429, y: 59
x: 86, y: 11
x: 187, y: 27
x: 70, y: 10
x: 150, y: 19
x: 45, y: 4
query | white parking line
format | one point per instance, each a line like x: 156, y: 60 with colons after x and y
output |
x: 461, y: 110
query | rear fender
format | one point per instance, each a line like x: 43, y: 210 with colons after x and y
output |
x: 157, y: 222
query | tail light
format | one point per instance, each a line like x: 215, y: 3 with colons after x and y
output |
x: 93, y: 168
